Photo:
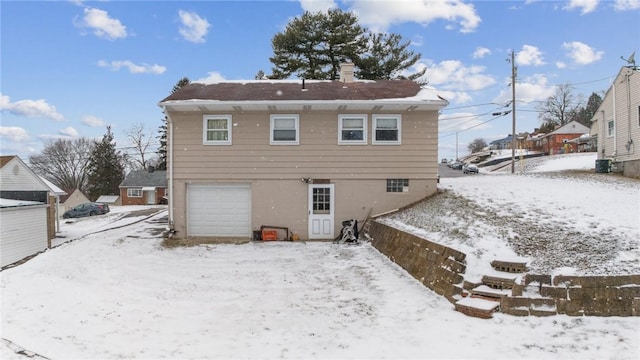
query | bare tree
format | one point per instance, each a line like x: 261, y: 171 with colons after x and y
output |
x: 477, y: 145
x: 558, y: 109
x: 64, y: 162
x: 140, y: 140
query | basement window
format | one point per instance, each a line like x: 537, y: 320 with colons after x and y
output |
x: 397, y: 185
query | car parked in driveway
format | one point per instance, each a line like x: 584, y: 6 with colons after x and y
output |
x: 86, y: 209
x: 470, y: 169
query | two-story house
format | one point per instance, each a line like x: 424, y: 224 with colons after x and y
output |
x: 305, y: 155
x: 615, y: 127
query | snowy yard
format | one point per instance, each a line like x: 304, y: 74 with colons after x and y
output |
x: 120, y: 294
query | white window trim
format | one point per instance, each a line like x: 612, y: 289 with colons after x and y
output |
x: 611, y: 131
x: 374, y: 127
x: 273, y: 117
x: 365, y: 121
x: 129, y: 190
x: 205, y: 129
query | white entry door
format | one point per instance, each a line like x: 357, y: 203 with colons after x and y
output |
x: 151, y: 197
x: 321, y: 211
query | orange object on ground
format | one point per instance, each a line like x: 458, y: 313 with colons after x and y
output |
x: 269, y: 235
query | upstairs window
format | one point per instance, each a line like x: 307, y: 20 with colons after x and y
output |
x: 217, y: 130
x: 387, y: 129
x: 285, y: 130
x: 352, y: 129
x: 610, y: 128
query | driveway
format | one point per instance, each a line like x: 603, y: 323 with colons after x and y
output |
x: 120, y: 294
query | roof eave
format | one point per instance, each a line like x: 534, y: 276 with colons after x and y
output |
x: 305, y: 105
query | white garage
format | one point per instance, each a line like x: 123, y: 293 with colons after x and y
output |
x: 219, y: 210
x: 23, y: 230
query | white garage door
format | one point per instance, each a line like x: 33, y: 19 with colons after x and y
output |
x: 23, y: 232
x: 219, y: 210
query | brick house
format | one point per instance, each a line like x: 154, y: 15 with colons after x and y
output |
x: 142, y: 187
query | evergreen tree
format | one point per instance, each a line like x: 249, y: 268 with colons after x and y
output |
x: 105, y: 169
x: 584, y: 114
x: 162, y: 149
x: 387, y: 58
x: 313, y: 45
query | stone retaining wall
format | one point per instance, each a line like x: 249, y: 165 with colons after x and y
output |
x: 441, y: 269
x: 576, y: 296
x: 436, y: 266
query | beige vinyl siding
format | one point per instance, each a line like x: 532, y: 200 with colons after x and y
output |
x: 318, y: 154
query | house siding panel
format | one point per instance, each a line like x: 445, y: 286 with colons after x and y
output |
x: 621, y: 104
x: 23, y: 232
x: 274, y: 172
x: 251, y: 155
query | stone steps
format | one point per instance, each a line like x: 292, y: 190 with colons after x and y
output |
x: 477, y: 307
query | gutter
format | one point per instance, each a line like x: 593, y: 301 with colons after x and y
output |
x: 170, y: 159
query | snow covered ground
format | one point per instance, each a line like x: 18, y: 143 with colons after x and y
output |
x: 119, y: 294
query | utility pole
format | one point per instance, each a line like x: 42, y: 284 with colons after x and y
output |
x: 456, y: 146
x: 513, y: 111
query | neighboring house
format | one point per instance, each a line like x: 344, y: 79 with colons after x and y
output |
x: 73, y: 198
x: 501, y: 144
x: 142, y: 187
x: 615, y: 126
x: 305, y: 155
x: 25, y: 210
x: 559, y: 140
x: 23, y: 229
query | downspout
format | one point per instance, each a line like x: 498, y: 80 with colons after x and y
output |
x: 629, y: 145
x: 170, y: 144
x: 615, y: 125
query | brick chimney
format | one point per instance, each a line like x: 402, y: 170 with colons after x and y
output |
x: 346, y: 72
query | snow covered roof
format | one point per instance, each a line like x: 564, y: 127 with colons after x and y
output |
x: 6, y: 203
x: 54, y: 189
x: 145, y: 178
x: 260, y: 94
x: 108, y: 199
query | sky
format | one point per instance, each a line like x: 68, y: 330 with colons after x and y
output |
x: 70, y: 68
x: 110, y: 291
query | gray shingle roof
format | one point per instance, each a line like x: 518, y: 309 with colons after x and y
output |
x: 157, y: 178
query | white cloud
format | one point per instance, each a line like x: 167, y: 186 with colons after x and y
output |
x: 587, y: 6
x: 561, y: 65
x: 529, y: 55
x: 318, y: 5
x: 453, y: 75
x: 103, y: 25
x: 14, y: 133
x: 624, y: 5
x: 30, y: 108
x: 133, y: 68
x: 582, y: 53
x: 69, y: 131
x: 533, y: 88
x: 194, y: 28
x: 211, y: 78
x: 380, y: 15
x: 92, y: 121
x: 481, y: 52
